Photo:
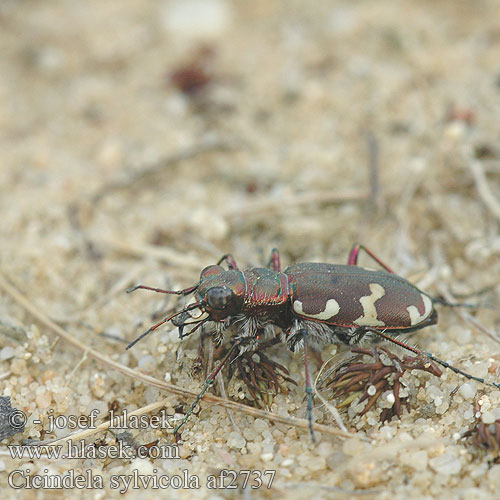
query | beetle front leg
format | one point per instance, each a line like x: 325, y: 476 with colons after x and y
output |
x: 354, y: 253
x: 274, y: 261
x: 208, y: 382
x: 229, y: 260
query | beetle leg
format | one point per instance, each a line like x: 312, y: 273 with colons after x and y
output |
x: 431, y: 356
x: 441, y: 300
x: 274, y: 261
x: 208, y: 382
x: 229, y: 260
x: 356, y: 334
x: 353, y: 257
x: 309, y: 390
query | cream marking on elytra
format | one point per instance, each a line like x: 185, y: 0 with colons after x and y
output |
x: 331, y: 309
x: 369, y: 316
x: 415, y: 317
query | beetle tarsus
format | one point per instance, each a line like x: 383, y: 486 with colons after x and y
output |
x: 140, y: 337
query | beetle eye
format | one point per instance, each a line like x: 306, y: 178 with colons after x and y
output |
x: 219, y: 297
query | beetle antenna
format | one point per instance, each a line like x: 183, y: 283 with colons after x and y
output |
x: 190, y: 307
x: 208, y: 382
x: 431, y: 356
x: 186, y: 291
x: 309, y: 390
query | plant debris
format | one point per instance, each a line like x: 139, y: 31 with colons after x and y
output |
x: 262, y: 376
x: 485, y: 435
x: 362, y: 381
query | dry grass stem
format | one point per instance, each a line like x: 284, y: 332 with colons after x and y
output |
x: 489, y: 199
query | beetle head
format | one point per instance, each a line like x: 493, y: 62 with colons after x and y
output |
x: 221, y: 292
x: 218, y: 295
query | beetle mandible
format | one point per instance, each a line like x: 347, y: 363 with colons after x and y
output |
x: 310, y: 302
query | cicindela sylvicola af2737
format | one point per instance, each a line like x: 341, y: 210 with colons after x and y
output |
x: 311, y: 303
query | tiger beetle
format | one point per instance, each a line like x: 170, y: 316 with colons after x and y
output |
x: 310, y: 302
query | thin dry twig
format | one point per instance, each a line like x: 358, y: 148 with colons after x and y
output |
x: 264, y: 205
x: 102, y: 300
x: 489, y: 199
x: 131, y: 178
x: 331, y: 408
x: 467, y: 318
x: 169, y: 255
x: 116, y: 422
x: 105, y: 360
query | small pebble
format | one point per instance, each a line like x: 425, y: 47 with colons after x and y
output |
x: 147, y: 363
x: 417, y: 460
x: 197, y: 19
x: 260, y: 425
x: 236, y: 440
x: 488, y: 417
x: 18, y: 367
x: 99, y: 385
x: 316, y: 463
x: 446, y: 464
x: 143, y: 466
x: 44, y: 399
x: 467, y: 390
x: 353, y: 447
x: 6, y: 353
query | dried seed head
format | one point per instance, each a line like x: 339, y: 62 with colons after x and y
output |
x: 365, y: 382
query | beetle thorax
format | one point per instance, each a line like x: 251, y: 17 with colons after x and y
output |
x: 265, y: 289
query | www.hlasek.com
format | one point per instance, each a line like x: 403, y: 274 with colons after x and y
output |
x: 82, y: 450
x: 225, y: 479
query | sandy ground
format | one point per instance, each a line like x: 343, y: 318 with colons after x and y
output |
x: 140, y: 141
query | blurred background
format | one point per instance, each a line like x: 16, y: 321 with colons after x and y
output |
x: 141, y: 140
x: 214, y: 126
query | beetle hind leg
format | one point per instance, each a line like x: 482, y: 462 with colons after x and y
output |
x: 352, y: 260
x: 229, y: 260
x: 274, y: 261
x: 437, y: 360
